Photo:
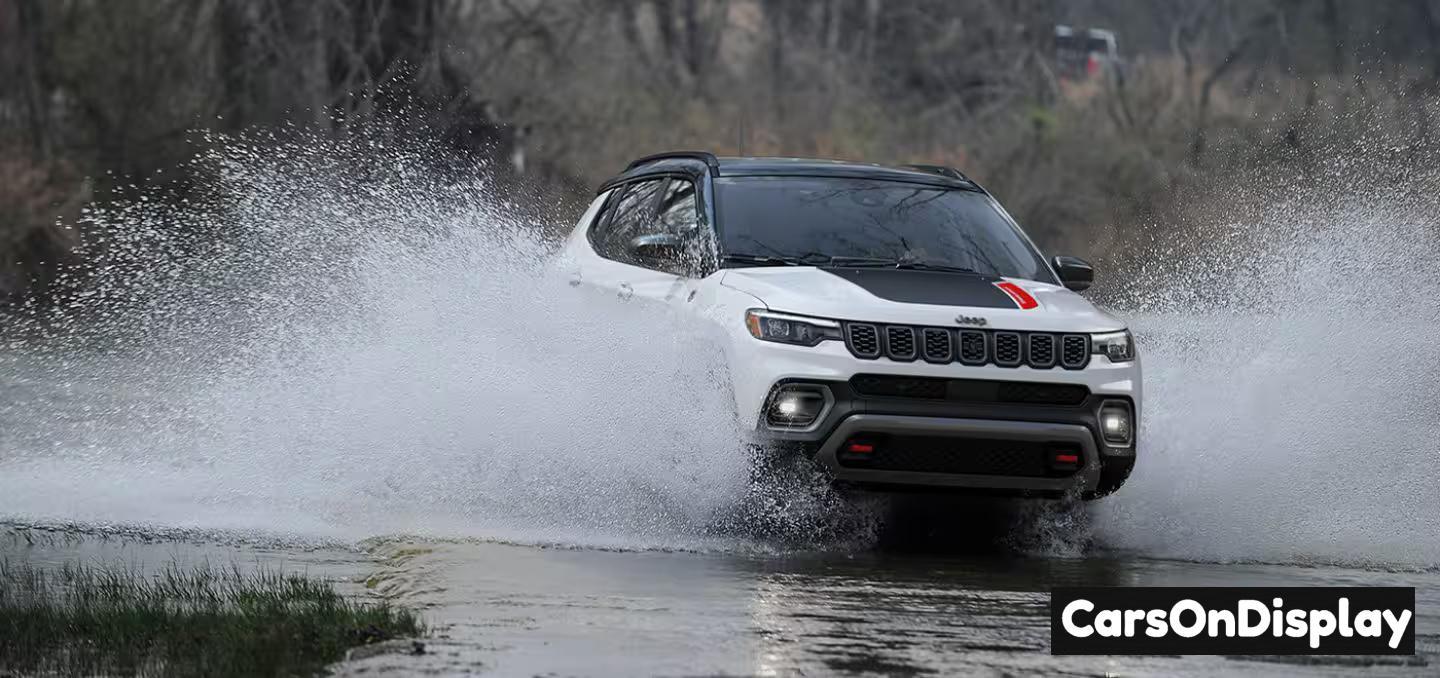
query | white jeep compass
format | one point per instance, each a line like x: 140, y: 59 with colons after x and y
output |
x: 892, y: 323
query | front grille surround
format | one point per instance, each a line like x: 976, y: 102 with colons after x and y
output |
x: 1040, y: 350
x: 942, y: 345
x: 974, y: 347
x: 863, y: 340
x: 937, y: 345
x: 1075, y: 351
x: 1008, y: 349
x: 900, y: 342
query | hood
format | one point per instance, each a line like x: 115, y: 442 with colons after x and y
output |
x: 919, y: 298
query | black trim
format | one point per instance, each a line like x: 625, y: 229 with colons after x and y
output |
x: 970, y: 390
x: 933, y: 175
x: 850, y: 342
x: 926, y: 333
x: 1085, y: 356
x: 1019, y: 349
x: 941, y: 170
x: 704, y: 156
x: 969, y: 455
x: 960, y: 338
x: 895, y: 354
x: 1030, y: 350
x: 849, y: 402
x: 938, y: 288
x: 988, y: 338
x: 682, y: 165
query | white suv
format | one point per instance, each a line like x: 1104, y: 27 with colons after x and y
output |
x: 892, y: 323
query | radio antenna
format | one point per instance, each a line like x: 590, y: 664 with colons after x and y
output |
x: 740, y: 132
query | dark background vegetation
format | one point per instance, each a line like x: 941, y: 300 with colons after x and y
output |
x: 102, y: 99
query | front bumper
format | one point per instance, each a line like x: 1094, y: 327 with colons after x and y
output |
x: 1086, y: 478
x: 963, y: 427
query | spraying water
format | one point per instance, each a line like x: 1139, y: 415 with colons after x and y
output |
x: 1291, y: 367
x: 331, y: 340
x: 361, y: 350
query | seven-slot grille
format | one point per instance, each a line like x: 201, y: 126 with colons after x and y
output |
x: 1039, y: 350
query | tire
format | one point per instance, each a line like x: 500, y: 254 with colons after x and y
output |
x: 791, y: 500
x: 1114, y: 471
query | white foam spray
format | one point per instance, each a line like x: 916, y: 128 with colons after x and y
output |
x: 334, y: 343
x: 334, y: 340
x: 1291, y: 365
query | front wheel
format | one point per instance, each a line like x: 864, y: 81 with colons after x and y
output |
x: 790, y: 498
x: 1114, y: 471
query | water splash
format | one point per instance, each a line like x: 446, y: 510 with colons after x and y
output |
x: 329, y: 340
x: 1291, y: 382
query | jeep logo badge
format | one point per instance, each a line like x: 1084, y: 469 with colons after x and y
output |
x: 971, y: 320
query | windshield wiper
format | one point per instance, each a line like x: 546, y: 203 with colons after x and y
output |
x: 927, y: 266
x: 761, y: 260
x: 862, y: 262
x: 809, y: 259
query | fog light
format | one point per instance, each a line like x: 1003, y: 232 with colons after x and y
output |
x: 1115, y: 424
x: 796, y: 406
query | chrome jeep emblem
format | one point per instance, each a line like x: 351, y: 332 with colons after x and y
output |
x: 971, y: 320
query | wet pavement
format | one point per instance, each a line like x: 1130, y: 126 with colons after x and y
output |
x: 502, y: 609
x: 525, y: 611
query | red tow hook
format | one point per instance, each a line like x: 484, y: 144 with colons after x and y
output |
x: 1064, y: 461
x: 857, y: 449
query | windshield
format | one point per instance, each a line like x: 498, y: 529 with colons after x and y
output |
x: 840, y: 221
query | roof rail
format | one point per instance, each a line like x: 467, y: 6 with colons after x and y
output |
x: 706, y: 156
x: 941, y: 170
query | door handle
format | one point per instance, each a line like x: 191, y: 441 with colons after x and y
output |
x: 626, y: 291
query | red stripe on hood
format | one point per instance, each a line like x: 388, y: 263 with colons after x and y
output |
x: 1018, y: 293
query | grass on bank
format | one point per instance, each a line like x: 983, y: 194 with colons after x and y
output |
x: 87, y: 620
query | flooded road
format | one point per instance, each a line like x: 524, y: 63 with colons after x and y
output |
x: 524, y: 611
x: 510, y: 610
x: 367, y: 354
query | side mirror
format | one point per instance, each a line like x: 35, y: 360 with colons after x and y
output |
x: 1075, y: 273
x: 660, y: 247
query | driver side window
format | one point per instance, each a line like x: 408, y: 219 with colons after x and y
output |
x: 680, y: 216
x: 679, y: 211
x: 659, y: 207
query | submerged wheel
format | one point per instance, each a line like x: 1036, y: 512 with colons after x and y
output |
x: 1113, y: 473
x: 790, y: 499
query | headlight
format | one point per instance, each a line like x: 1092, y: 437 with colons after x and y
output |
x: 790, y: 329
x: 1119, y: 347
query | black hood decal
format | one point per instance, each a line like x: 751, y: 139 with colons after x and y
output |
x: 939, y: 288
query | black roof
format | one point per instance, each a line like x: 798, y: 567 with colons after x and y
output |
x: 695, y: 162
